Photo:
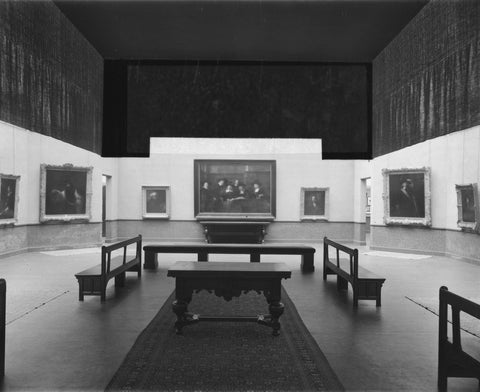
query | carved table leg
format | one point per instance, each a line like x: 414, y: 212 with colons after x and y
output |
x: 183, y: 296
x: 275, y: 307
x: 184, y: 318
x: 276, y: 310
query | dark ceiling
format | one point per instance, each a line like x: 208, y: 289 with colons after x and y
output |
x: 270, y: 30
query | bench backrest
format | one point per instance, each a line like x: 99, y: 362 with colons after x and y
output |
x: 458, y: 304
x: 108, y: 249
x: 351, y: 253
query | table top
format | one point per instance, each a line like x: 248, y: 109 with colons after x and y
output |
x: 229, y: 269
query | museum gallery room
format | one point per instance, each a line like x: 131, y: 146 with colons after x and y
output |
x: 240, y: 195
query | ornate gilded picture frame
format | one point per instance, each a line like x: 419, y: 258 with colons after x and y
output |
x: 314, y: 204
x: 65, y: 193
x: 156, y: 202
x: 9, y: 185
x: 468, y: 208
x: 240, y: 189
x: 406, y: 196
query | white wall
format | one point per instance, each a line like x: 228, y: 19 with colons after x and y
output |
x: 22, y: 152
x: 453, y: 159
x: 298, y: 164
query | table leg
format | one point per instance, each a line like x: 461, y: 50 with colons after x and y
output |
x: 276, y: 310
x: 180, y: 307
x: 275, y: 307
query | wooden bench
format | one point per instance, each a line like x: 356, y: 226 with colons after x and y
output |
x: 93, y: 281
x: 365, y: 284
x: 452, y: 360
x: 254, y: 250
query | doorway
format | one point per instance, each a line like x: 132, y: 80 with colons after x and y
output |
x: 105, y: 185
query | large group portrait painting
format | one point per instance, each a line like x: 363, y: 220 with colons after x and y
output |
x: 235, y: 187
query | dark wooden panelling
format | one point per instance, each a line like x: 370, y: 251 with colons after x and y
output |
x: 115, y: 109
x: 426, y: 83
x: 237, y: 99
x: 51, y: 78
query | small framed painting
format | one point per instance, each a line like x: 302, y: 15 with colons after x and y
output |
x: 314, y: 204
x: 467, y: 207
x: 156, y: 202
x: 8, y: 199
x: 406, y: 197
x: 65, y: 193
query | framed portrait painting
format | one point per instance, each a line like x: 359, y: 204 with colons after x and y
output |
x: 407, y: 197
x: 8, y: 198
x: 65, y: 193
x: 314, y: 204
x: 156, y: 202
x: 467, y: 207
x: 234, y: 188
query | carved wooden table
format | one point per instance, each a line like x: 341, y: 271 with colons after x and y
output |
x: 228, y: 280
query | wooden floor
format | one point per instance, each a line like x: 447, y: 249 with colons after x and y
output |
x: 55, y: 342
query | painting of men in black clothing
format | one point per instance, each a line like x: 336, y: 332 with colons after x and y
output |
x: 233, y: 187
x: 407, y: 196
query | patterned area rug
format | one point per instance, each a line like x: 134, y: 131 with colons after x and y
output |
x: 225, y: 356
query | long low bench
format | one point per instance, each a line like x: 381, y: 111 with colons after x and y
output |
x: 365, y: 284
x: 93, y: 281
x: 453, y: 361
x: 254, y: 250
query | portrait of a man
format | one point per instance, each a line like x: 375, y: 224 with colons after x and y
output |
x: 313, y: 203
x: 156, y: 202
x: 407, y: 196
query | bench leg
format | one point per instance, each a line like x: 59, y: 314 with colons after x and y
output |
x: 442, y: 380
x: 139, y: 269
x: 342, y: 284
x: 80, y: 290
x: 379, y: 295
x: 355, y: 297
x: 307, y: 263
x: 254, y: 257
x: 120, y: 280
x: 151, y: 261
x: 202, y: 256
